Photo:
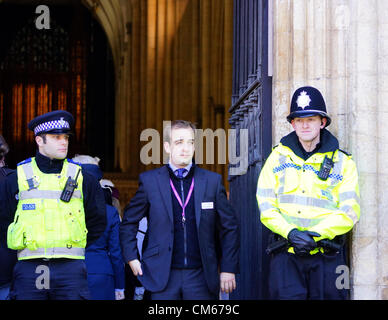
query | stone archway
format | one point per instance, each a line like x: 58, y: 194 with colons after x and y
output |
x: 114, y: 16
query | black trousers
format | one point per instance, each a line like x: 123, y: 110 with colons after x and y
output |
x: 53, y: 279
x: 315, y: 277
x: 185, y: 284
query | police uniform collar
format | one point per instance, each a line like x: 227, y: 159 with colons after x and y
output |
x: 47, y: 165
x: 308, y: 154
x: 327, y: 143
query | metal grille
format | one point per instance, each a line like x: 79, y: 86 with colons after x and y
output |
x: 250, y: 117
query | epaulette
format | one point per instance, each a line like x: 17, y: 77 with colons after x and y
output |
x: 24, y: 162
x: 347, y: 153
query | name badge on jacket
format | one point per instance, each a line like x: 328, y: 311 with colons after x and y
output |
x: 28, y: 206
x: 207, y: 205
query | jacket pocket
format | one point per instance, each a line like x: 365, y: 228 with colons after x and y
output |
x: 76, y: 233
x: 16, y: 236
x: 20, y: 236
x: 30, y: 238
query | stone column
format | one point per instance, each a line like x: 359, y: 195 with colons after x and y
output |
x: 363, y: 131
x: 340, y: 47
x: 382, y: 150
x: 369, y: 105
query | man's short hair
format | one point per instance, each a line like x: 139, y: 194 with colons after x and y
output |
x: 43, y: 136
x: 177, y: 124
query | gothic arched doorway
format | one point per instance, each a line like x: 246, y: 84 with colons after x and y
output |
x: 68, y: 66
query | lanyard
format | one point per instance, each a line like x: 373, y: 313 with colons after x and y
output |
x: 179, y: 199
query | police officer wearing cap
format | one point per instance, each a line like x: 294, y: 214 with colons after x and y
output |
x: 53, y: 210
x: 308, y: 196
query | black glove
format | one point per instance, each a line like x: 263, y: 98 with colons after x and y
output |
x: 302, y: 241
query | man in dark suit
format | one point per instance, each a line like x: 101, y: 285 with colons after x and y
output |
x: 191, y: 248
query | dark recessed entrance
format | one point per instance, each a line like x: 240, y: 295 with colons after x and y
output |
x: 67, y: 67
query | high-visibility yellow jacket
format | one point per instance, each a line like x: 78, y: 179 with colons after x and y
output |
x: 290, y: 194
x: 45, y: 226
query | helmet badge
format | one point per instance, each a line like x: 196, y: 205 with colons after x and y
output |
x: 303, y: 100
x: 61, y: 122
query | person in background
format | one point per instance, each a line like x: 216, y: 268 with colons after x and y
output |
x: 134, y: 290
x: 107, y: 184
x: 8, y: 257
x: 104, y: 262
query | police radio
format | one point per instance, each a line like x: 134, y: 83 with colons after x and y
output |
x: 326, y: 166
x: 71, y: 185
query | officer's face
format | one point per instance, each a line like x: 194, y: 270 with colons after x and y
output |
x: 308, y: 129
x: 181, y: 147
x: 55, y: 146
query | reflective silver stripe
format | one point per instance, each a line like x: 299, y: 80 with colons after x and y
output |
x: 44, y: 194
x: 27, y: 168
x: 29, y: 173
x: 72, y: 169
x: 266, y: 192
x: 50, y: 252
x: 282, y: 160
x: 301, y: 222
x: 267, y: 206
x: 349, y: 195
x: 350, y: 213
x: 306, y: 201
x: 337, y: 169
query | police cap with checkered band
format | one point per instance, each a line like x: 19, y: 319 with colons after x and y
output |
x: 308, y: 102
x: 58, y: 121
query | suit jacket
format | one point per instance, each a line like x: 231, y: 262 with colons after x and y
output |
x: 104, y: 255
x: 217, y: 227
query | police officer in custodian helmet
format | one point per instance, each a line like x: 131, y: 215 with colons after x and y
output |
x: 308, y: 196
